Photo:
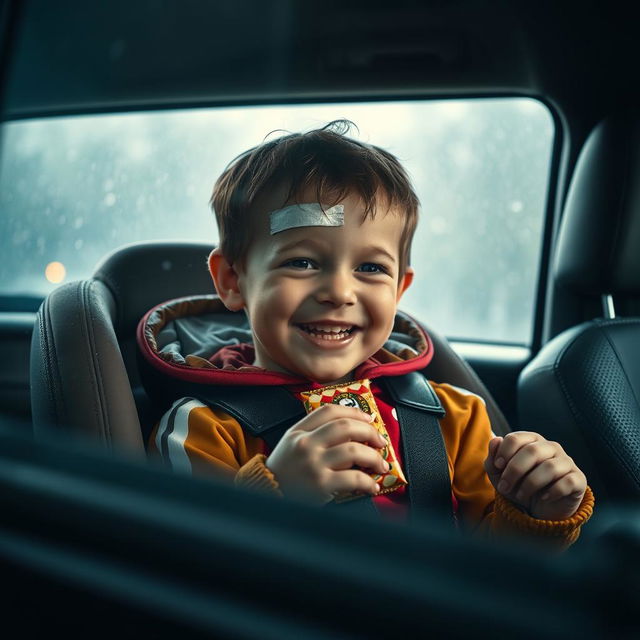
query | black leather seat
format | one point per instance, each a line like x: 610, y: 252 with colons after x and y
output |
x: 84, y: 373
x: 583, y: 388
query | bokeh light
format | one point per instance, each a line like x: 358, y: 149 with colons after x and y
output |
x: 55, y: 272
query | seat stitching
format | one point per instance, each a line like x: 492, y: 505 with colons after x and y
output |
x: 116, y: 292
x: 615, y: 321
x: 52, y: 376
x: 615, y: 351
x: 96, y: 378
x: 98, y: 368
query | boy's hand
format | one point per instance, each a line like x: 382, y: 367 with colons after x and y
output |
x: 536, y: 474
x: 315, y: 457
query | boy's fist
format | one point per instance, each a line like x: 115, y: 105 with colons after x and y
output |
x: 324, y: 453
x: 536, y: 474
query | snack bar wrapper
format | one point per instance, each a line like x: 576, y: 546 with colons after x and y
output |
x: 358, y: 394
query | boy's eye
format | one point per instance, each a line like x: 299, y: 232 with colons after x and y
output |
x: 371, y: 267
x: 299, y: 263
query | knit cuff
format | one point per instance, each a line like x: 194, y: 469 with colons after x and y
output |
x: 564, y: 532
x: 255, y: 475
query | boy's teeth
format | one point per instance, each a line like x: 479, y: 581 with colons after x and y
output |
x: 325, y: 329
x: 327, y: 332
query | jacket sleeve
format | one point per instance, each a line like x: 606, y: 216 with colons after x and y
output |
x: 467, y: 431
x: 195, y: 439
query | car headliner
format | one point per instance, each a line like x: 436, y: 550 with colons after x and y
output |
x: 80, y: 57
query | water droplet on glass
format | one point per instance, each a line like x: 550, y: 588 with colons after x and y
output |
x: 516, y: 206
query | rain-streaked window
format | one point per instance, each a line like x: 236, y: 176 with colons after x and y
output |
x: 73, y: 189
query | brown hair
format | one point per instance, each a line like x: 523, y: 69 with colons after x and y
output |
x: 325, y: 158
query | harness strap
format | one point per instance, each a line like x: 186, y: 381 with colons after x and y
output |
x: 265, y: 412
x: 425, y: 455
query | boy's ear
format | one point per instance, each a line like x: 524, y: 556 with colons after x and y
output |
x: 405, y: 282
x: 225, y: 279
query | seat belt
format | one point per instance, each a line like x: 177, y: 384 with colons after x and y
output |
x: 267, y: 412
x: 425, y: 456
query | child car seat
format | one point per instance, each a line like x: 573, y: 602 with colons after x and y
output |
x: 84, y: 374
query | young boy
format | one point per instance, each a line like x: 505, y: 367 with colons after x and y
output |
x: 315, y: 233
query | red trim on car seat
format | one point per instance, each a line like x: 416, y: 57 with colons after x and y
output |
x: 263, y: 377
x: 188, y: 373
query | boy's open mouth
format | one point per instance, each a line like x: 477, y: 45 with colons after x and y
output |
x: 327, y: 332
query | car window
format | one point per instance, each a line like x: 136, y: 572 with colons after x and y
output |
x: 74, y: 188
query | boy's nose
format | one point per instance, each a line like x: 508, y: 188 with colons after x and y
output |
x: 337, y: 288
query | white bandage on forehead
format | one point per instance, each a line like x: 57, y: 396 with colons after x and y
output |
x: 311, y: 214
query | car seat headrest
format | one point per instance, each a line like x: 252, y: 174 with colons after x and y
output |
x: 142, y: 275
x: 598, y: 249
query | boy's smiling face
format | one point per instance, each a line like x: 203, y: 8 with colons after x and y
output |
x: 320, y: 300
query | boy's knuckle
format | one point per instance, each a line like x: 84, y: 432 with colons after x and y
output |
x: 352, y: 449
x: 302, y: 445
x: 512, y: 440
x: 326, y: 411
x: 350, y: 428
x: 573, y: 482
x: 548, y: 465
x: 329, y: 430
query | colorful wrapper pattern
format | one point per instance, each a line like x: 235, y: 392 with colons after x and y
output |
x: 358, y: 394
